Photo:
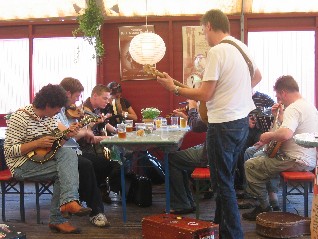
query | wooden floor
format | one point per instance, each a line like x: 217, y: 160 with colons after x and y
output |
x: 131, y: 229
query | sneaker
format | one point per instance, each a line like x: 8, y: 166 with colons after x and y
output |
x: 253, y: 214
x: 99, y: 220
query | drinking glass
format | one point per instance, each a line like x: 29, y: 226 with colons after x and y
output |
x: 129, y: 125
x: 174, y: 121
x: 183, y: 122
x: 140, y: 129
x: 158, y: 122
x: 164, y: 132
x: 121, y: 131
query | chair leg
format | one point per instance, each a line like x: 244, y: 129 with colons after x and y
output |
x: 306, y: 198
x: 3, y: 190
x: 284, y: 195
x: 37, y: 202
x: 22, y: 210
x: 197, y: 194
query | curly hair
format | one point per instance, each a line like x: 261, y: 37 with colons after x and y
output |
x: 286, y: 83
x: 218, y: 20
x: 72, y: 85
x: 50, y: 95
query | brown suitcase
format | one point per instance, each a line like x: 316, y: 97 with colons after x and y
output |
x: 169, y: 226
x: 282, y: 225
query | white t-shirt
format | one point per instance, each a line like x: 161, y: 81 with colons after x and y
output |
x: 232, y: 98
x: 300, y: 117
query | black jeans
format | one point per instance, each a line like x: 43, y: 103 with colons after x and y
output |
x: 88, y: 187
x: 105, y: 168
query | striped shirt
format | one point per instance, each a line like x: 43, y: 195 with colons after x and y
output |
x: 23, y: 129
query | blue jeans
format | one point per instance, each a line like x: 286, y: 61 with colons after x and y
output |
x: 63, y: 170
x: 224, y: 143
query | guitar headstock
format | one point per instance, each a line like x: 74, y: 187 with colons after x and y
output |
x: 152, y: 70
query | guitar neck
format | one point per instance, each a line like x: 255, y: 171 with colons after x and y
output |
x: 177, y: 83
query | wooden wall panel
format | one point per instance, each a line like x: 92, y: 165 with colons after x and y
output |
x: 148, y: 93
x: 14, y: 32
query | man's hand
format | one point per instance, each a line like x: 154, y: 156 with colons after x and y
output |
x: 258, y: 144
x: 45, y: 142
x: 166, y: 82
x: 74, y: 129
x: 266, y: 137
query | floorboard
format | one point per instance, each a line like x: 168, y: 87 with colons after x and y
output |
x: 118, y: 230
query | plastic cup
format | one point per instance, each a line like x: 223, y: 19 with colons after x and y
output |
x: 121, y: 131
x: 129, y: 125
x: 140, y: 129
x: 164, y: 132
x: 183, y: 122
x: 158, y: 122
x: 174, y: 121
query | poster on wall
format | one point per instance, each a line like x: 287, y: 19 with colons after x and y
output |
x: 195, y: 50
x: 130, y: 69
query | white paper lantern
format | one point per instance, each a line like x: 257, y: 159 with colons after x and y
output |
x: 147, y: 48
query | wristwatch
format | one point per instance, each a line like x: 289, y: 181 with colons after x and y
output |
x: 176, y: 90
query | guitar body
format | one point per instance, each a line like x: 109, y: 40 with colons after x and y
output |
x: 272, y: 148
x: 42, y: 155
x: 203, y: 111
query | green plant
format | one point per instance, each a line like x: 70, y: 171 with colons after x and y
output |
x: 90, y: 23
x: 150, y: 113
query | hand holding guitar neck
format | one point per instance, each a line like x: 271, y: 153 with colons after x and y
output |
x: 170, y: 85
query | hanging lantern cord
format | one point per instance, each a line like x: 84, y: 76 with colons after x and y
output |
x: 146, y: 16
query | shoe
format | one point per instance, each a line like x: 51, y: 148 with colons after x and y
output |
x: 183, y: 211
x: 253, y: 214
x: 246, y: 203
x: 75, y: 208
x: 244, y: 195
x: 65, y: 227
x: 277, y: 209
x: 99, y: 220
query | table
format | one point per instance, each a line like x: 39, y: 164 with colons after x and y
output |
x: 307, y: 140
x: 137, y: 143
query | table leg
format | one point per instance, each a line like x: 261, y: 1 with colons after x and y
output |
x: 123, y: 190
x: 167, y: 183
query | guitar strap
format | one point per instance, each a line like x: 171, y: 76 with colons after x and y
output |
x: 247, y: 60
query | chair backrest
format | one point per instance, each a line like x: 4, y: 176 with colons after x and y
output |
x: 192, y: 139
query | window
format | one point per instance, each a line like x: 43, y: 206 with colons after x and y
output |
x: 285, y: 53
x: 53, y: 59
x: 14, y: 74
x: 57, y: 58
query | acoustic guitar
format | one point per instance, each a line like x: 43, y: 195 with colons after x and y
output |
x: 202, y: 106
x: 42, y: 155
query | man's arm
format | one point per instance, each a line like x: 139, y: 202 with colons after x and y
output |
x: 256, y: 78
x: 200, y: 94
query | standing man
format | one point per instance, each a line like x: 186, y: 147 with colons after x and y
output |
x: 299, y: 117
x: 227, y: 90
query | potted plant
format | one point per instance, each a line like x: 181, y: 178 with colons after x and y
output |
x: 90, y: 23
x: 149, y: 114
